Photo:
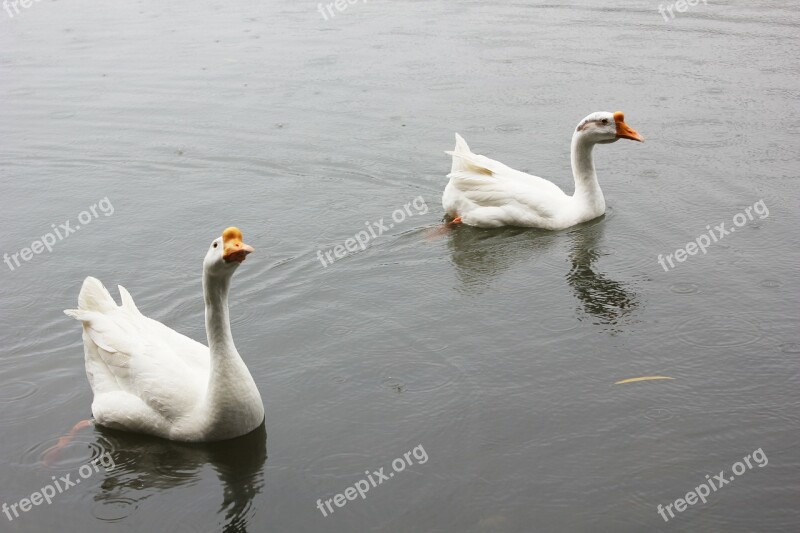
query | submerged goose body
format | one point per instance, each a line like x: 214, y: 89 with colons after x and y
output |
x: 148, y: 378
x: 486, y: 193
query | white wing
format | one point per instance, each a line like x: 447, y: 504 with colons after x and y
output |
x: 127, y: 352
x: 477, y: 182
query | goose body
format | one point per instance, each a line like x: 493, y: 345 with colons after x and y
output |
x: 486, y: 193
x: 148, y: 378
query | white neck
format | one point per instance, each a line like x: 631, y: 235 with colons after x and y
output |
x: 218, y: 326
x: 587, y: 189
x: 230, y: 385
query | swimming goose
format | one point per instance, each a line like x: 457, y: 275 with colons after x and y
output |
x: 486, y: 193
x: 148, y: 378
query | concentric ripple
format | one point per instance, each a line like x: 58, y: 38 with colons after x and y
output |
x: 115, y: 509
x: 658, y: 414
x: 684, y: 288
x: 17, y: 390
x: 719, y: 331
x: 82, y: 449
x: 421, y: 376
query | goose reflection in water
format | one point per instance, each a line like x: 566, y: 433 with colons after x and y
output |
x: 145, y: 465
x: 611, y: 303
x: 479, y: 255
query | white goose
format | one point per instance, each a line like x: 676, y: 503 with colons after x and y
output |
x: 486, y: 193
x: 148, y: 378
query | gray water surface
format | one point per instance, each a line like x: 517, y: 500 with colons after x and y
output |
x: 496, y: 351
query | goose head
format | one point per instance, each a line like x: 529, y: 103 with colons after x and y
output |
x: 603, y: 127
x: 226, y: 253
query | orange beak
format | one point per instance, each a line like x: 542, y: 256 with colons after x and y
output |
x: 233, y: 247
x: 624, y: 131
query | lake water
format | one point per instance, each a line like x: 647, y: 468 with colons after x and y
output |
x: 494, y: 352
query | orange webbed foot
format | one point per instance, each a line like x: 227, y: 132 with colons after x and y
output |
x: 51, y: 454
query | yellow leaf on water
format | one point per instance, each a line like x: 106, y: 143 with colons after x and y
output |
x: 643, y: 378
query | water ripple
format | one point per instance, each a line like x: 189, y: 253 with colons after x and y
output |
x: 420, y: 376
x: 684, y: 288
x: 659, y: 414
x: 17, y: 390
x: 719, y: 331
x: 82, y: 449
x: 114, y: 510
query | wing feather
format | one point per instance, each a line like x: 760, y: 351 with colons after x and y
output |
x: 128, y: 352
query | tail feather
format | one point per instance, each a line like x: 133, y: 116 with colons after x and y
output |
x: 93, y: 297
x: 461, y: 148
x: 461, y: 144
x: 464, y: 161
x: 127, y: 301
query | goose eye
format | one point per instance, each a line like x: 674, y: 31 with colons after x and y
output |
x: 605, y: 121
x: 215, y: 245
